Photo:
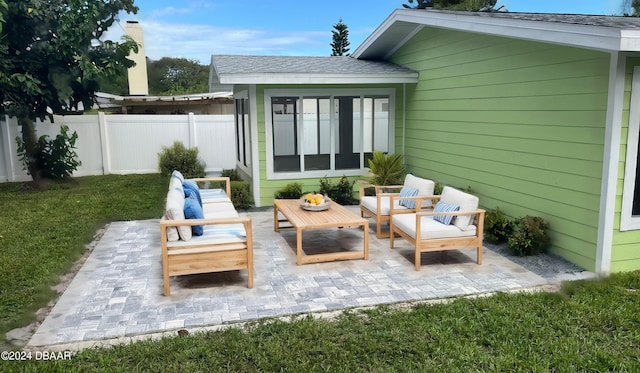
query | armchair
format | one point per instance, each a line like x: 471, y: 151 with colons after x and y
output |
x: 379, y: 207
x: 455, y: 223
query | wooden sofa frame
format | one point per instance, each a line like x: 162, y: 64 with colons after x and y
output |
x: 440, y: 244
x: 381, y: 191
x: 203, y: 256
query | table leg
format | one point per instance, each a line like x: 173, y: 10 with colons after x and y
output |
x: 276, y: 223
x: 365, y: 231
x: 299, y: 245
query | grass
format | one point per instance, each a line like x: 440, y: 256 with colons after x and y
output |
x: 589, y: 326
x: 43, y: 233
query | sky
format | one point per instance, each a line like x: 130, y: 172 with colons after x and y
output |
x: 196, y: 29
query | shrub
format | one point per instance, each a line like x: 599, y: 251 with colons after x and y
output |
x: 53, y: 158
x: 529, y: 236
x: 497, y: 226
x: 241, y: 195
x: 387, y: 169
x: 437, y: 189
x: 290, y: 191
x: 341, y: 193
x: 232, y: 174
x: 177, y: 157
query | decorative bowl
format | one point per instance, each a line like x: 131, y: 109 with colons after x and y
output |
x: 309, y: 207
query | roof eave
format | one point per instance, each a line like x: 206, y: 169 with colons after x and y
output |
x: 319, y: 78
x: 583, y: 36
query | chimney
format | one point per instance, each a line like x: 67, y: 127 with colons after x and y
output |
x: 138, y: 83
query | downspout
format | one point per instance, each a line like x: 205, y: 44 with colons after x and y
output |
x: 404, y: 115
x: 611, y: 157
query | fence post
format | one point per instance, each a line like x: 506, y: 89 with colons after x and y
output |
x: 192, y: 131
x: 104, y: 143
x: 5, y: 136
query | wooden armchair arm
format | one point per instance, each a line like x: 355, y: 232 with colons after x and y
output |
x: 226, y: 179
x: 419, y: 200
x: 190, y: 222
x: 451, y: 213
x: 381, y: 188
x: 479, y: 216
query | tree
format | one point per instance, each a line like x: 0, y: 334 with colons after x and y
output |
x: 52, y: 60
x: 340, y: 44
x: 631, y: 8
x: 177, y: 76
x: 463, y: 5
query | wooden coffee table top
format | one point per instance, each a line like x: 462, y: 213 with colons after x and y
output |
x: 337, y: 215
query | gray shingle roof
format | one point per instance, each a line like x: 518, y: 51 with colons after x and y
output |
x: 619, y: 22
x: 238, y: 64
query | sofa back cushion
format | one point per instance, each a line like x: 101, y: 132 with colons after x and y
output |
x: 193, y: 210
x: 191, y: 189
x: 176, y: 174
x: 174, y: 210
x: 466, y: 201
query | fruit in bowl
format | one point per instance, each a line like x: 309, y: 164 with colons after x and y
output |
x: 314, y: 199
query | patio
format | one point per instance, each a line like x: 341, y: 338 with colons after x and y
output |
x: 117, y: 295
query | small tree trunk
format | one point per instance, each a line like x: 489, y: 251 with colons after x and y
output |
x: 30, y: 139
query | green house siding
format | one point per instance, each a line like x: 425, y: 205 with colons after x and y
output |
x: 520, y: 123
x: 625, y: 251
x: 269, y: 187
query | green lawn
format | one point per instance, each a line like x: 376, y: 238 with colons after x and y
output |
x: 590, y: 325
x: 43, y: 233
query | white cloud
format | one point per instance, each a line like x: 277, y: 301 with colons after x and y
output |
x: 199, y: 42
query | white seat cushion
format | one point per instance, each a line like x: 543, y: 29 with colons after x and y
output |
x: 429, y: 228
x: 220, y: 210
x: 215, y: 234
x: 213, y: 196
x: 466, y: 201
x: 370, y: 202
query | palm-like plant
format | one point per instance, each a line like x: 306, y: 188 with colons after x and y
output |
x: 387, y: 169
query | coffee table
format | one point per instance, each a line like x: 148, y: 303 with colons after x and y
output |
x: 336, y: 216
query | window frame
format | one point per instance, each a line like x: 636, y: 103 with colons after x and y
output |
x: 627, y: 220
x: 245, y: 163
x: 332, y: 94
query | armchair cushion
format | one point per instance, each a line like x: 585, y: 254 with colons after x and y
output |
x: 371, y: 203
x: 430, y: 228
x: 408, y: 192
x: 466, y: 201
x: 443, y: 207
x: 425, y: 187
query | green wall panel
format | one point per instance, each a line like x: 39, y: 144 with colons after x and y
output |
x: 625, y: 254
x: 521, y: 123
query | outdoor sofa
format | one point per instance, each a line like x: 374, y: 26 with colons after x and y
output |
x: 201, y: 231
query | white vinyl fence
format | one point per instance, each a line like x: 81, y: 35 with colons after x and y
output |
x: 127, y: 144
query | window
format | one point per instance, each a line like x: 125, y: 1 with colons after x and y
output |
x: 321, y: 134
x: 243, y: 145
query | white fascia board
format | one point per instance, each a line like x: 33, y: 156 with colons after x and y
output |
x: 376, y: 34
x: 604, y: 38
x: 630, y: 40
x: 318, y: 78
x: 583, y: 36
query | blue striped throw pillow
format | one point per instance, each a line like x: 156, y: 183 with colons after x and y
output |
x: 408, y: 192
x: 443, y: 207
